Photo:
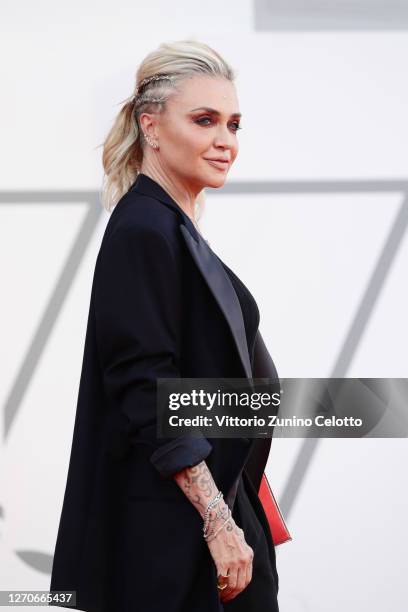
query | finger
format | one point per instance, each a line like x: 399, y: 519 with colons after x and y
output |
x: 222, y: 574
x: 248, y: 576
x: 238, y: 587
x: 232, y: 581
x: 222, y: 578
x: 241, y: 583
x: 230, y: 593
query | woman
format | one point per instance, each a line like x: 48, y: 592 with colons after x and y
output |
x: 164, y: 305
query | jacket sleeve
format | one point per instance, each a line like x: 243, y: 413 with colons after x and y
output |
x: 139, y: 318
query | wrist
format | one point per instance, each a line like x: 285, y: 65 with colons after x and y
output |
x: 215, y: 511
x: 215, y: 521
x: 219, y: 513
x: 214, y: 531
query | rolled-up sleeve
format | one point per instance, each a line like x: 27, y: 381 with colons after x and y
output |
x: 138, y: 298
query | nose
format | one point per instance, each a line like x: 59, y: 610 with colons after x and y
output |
x: 224, y: 138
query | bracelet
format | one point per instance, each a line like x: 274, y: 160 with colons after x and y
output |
x: 219, y: 529
x: 212, y: 503
x: 207, y: 527
x: 207, y: 512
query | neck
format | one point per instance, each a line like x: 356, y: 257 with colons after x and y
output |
x: 183, y: 195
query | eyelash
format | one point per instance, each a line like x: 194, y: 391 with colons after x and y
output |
x: 238, y: 127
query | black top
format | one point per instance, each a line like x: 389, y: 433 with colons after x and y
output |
x: 262, y: 591
x: 249, y: 307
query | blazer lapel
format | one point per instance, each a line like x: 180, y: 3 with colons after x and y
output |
x: 223, y: 291
x: 210, y: 267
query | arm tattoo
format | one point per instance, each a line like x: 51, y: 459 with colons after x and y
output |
x: 198, y: 485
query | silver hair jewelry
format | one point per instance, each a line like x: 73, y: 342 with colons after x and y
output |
x: 154, y: 77
x: 147, y: 98
x: 140, y: 98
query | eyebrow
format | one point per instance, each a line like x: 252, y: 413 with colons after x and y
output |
x: 214, y: 111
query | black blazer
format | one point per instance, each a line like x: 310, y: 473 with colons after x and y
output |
x: 162, y: 305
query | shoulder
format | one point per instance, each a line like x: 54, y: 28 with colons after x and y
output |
x: 144, y: 217
x: 142, y: 229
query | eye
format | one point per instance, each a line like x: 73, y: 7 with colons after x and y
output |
x: 200, y: 121
x: 234, y: 123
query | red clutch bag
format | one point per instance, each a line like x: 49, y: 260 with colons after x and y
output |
x: 277, y: 525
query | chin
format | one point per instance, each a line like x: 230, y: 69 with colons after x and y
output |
x: 216, y: 181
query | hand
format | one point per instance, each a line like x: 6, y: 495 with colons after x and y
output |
x: 232, y: 556
x: 230, y: 552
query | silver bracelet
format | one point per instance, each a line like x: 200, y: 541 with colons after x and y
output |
x: 212, y: 503
x: 207, y: 525
x: 219, y: 529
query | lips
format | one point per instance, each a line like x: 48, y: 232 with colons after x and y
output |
x: 221, y: 164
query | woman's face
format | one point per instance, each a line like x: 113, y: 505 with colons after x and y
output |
x: 200, y: 124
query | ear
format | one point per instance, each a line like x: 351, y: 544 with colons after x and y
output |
x: 148, y: 123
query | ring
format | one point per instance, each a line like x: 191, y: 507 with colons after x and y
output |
x: 222, y: 585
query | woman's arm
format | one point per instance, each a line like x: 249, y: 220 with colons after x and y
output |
x: 139, y: 323
x: 230, y: 552
x: 198, y: 485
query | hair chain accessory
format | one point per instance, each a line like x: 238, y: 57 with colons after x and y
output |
x: 142, y: 98
x: 154, y: 77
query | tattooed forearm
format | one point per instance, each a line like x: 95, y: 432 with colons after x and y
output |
x: 198, y: 485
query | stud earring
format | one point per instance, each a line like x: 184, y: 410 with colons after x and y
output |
x: 150, y: 141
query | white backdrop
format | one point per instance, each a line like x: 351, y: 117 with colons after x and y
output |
x: 317, y: 211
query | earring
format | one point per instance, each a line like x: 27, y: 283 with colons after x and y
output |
x: 150, y: 141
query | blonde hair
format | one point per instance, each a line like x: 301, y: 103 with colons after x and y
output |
x: 123, y: 147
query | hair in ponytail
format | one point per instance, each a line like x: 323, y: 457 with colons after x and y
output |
x: 123, y: 147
